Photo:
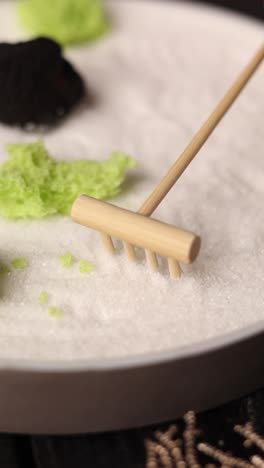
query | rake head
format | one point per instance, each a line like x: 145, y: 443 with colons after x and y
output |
x: 134, y: 229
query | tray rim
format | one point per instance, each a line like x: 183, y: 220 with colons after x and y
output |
x: 211, y: 345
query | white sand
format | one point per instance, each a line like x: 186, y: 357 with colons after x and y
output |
x: 156, y: 77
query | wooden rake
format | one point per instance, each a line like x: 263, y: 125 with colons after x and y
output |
x: 138, y: 229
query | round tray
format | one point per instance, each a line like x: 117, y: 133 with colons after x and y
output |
x: 93, y: 396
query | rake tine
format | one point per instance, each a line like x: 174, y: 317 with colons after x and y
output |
x: 152, y: 260
x: 174, y: 268
x: 130, y: 252
x: 108, y: 243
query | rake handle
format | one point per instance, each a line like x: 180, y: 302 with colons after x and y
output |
x: 165, y: 185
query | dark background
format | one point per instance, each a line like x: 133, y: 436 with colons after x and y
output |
x: 122, y: 450
x: 250, y: 7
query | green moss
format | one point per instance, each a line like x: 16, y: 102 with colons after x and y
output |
x: 66, y: 260
x: 34, y: 185
x: 85, y: 267
x: 19, y: 263
x: 54, y: 312
x: 66, y: 21
x: 43, y: 297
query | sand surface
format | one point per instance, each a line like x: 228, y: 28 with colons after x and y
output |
x: 155, y: 82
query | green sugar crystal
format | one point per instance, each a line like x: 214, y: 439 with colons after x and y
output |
x: 65, y: 21
x: 54, y: 312
x: 85, y: 267
x: 34, y: 185
x: 43, y: 297
x: 66, y: 260
x: 19, y: 263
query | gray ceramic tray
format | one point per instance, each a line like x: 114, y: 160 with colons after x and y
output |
x: 97, y: 396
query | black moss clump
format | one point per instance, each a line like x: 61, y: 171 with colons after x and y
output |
x: 37, y: 85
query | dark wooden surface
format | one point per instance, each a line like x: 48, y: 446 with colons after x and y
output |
x: 126, y: 449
